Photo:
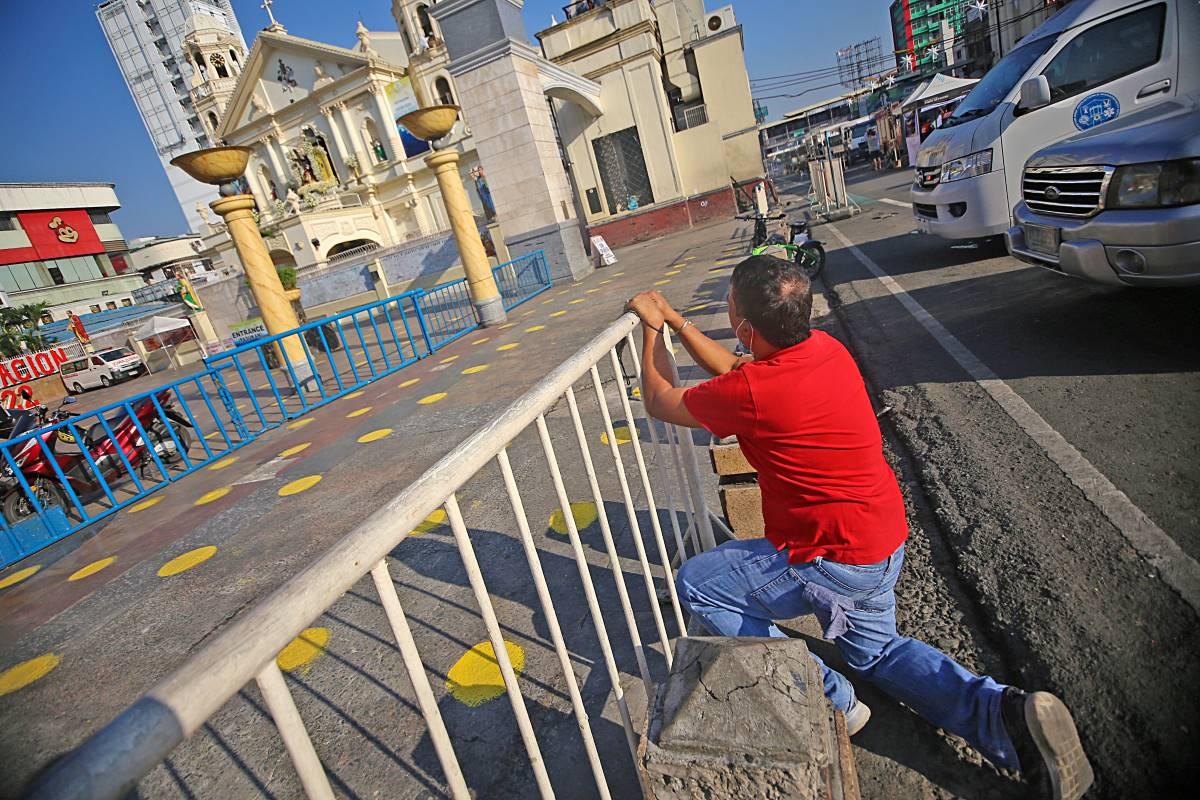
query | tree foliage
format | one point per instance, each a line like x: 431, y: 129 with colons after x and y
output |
x: 21, y: 324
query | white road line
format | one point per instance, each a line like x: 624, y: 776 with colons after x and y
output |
x: 1179, y: 570
x: 892, y: 202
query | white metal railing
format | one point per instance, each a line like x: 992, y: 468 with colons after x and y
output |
x: 111, y: 762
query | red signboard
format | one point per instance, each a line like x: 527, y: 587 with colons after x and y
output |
x: 54, y: 234
x: 16, y: 373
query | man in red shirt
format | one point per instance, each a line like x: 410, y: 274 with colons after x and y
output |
x: 835, y: 523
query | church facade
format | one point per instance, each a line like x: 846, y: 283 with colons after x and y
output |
x: 330, y: 170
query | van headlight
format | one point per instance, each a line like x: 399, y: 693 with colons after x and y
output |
x: 1156, y: 185
x: 968, y: 166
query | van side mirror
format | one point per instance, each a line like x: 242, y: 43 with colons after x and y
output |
x: 1035, y: 93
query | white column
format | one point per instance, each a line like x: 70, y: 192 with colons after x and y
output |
x: 379, y: 95
x: 282, y: 174
x: 339, y: 143
x: 364, y: 163
x: 261, y: 192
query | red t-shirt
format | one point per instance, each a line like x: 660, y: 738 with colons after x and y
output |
x: 805, y: 423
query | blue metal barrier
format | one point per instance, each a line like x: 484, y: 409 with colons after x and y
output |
x: 104, y: 460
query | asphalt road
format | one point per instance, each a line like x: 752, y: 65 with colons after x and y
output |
x: 1011, y: 566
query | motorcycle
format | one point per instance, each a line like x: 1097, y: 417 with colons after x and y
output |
x: 799, y: 247
x: 166, y: 435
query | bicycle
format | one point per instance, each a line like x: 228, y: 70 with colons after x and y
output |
x: 799, y: 247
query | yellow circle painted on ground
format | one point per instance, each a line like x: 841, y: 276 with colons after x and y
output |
x: 575, y: 302
x: 186, y: 561
x: 410, y: 382
x: 142, y: 506
x: 475, y: 678
x: 352, y: 395
x: 622, y: 433
x: 558, y: 313
x: 300, y: 423
x: 535, y: 329
x: 662, y: 282
x: 18, y: 576
x: 299, y: 448
x: 91, y: 569
x: 299, y: 485
x: 374, y: 436
x: 359, y: 412
x: 449, y: 360
x: 436, y: 519
x: 304, y: 649
x: 475, y: 369
x: 510, y: 346
x: 482, y: 340
x: 584, y: 514
x: 215, y: 494
x: 223, y: 463
x: 430, y: 399
x: 25, y: 673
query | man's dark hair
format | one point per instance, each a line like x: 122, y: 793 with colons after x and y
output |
x: 775, y: 296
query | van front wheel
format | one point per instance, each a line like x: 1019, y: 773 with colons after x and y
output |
x: 76, y: 388
x: 105, y: 382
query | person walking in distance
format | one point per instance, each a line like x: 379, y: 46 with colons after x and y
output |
x: 835, y: 523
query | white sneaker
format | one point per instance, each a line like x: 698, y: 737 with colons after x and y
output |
x: 857, y: 717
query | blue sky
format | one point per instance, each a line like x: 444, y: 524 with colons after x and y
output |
x: 69, y: 117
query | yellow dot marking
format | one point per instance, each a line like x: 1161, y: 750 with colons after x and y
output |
x: 435, y: 520
x: 411, y: 381
x: 506, y: 326
x: 482, y: 340
x: 18, y: 576
x: 575, y: 302
x: 449, y: 360
x: 510, y: 346
x: 303, y: 650
x: 662, y: 282
x: 535, y: 329
x: 527, y: 313
x: 26, y: 672
x: 564, y: 291
x: 672, y: 272
x: 300, y: 423
x: 700, y: 307
x: 622, y: 433
x: 606, y: 281
x: 558, y: 313
x: 475, y: 370
x: 91, y: 569
x: 223, y: 463
x: 299, y: 485
x: 618, y: 274
x: 352, y: 395
x: 637, y: 393
x: 727, y: 261
x: 688, y: 258
x: 583, y: 513
x: 430, y: 399
x: 142, y: 506
x: 374, y: 436
x: 359, y: 412
x: 240, y: 406
x: 215, y: 494
x: 591, y: 291
x: 186, y: 561
x: 475, y: 678
x: 291, y: 451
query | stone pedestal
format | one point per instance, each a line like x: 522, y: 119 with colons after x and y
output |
x: 499, y: 88
x: 745, y: 718
x: 741, y: 498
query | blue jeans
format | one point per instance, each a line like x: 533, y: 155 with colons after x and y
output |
x: 738, y: 588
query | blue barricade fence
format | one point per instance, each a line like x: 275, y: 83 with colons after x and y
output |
x: 58, y: 479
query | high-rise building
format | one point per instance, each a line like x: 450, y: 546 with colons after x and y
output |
x: 923, y: 32
x: 146, y: 37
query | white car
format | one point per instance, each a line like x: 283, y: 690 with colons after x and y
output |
x: 100, y: 369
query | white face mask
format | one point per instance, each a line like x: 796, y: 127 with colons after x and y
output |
x: 749, y: 346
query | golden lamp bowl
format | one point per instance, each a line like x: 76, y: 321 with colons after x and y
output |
x: 430, y: 123
x: 215, y: 165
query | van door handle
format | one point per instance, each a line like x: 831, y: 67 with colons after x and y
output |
x: 1154, y: 88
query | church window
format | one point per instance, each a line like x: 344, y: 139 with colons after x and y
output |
x: 441, y: 89
x: 424, y: 20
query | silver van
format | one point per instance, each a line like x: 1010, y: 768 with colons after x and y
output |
x: 1119, y: 205
x: 102, y: 368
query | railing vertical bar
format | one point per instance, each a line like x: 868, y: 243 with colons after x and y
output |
x: 387, y: 362
x: 169, y: 427
x: 262, y: 359
x: 85, y: 449
x: 690, y: 463
x: 211, y: 410
x: 635, y: 637
x: 121, y: 454
x: 149, y: 448
x: 366, y: 349
x: 294, y: 734
x: 337, y: 322
x: 316, y: 377
x: 237, y: 364
x: 589, y: 589
x: 192, y: 419
x: 471, y: 565
x: 422, y: 323
x: 420, y: 681
x: 655, y: 525
x: 631, y: 515
x: 329, y: 357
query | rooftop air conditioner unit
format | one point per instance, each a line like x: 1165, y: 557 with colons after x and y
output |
x: 720, y: 20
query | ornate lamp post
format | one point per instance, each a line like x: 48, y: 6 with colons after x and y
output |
x: 433, y: 123
x: 221, y: 166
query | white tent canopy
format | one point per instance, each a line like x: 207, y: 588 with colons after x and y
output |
x: 157, y: 326
x: 938, y: 87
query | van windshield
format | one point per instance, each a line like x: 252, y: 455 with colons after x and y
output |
x: 114, y: 355
x: 999, y: 81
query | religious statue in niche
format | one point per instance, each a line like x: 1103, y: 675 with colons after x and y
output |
x: 485, y: 193
x: 312, y: 163
x: 286, y: 77
x: 380, y: 153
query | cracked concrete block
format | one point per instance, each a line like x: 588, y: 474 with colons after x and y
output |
x: 742, y: 503
x: 744, y: 718
x: 727, y: 459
